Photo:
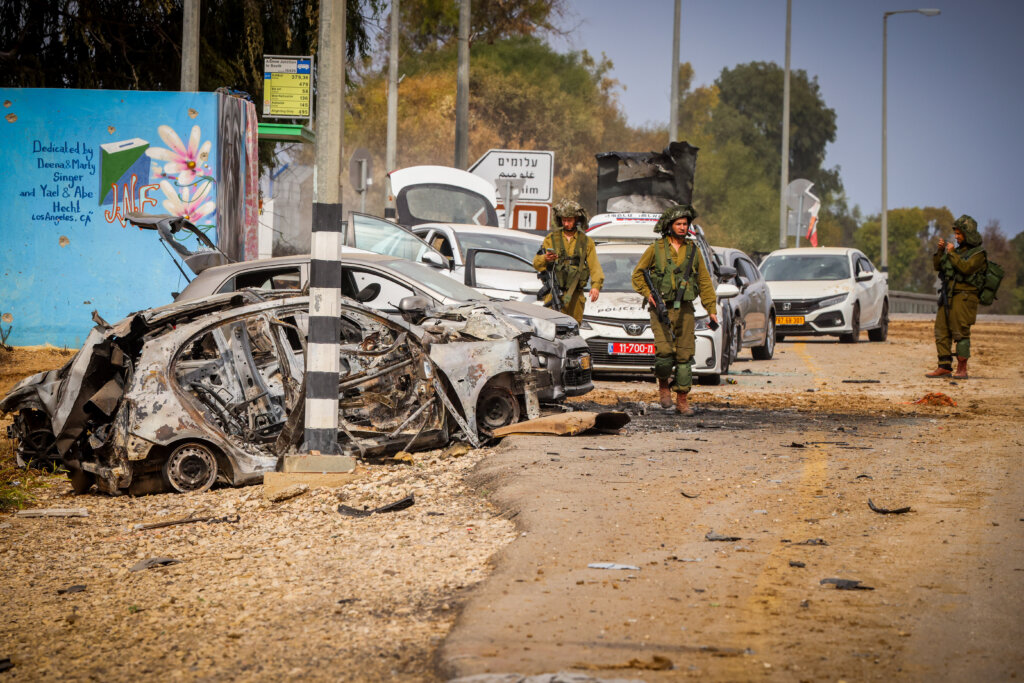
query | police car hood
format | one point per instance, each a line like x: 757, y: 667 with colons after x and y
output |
x: 807, y: 289
x: 626, y: 306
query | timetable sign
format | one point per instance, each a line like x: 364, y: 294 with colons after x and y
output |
x: 287, y: 87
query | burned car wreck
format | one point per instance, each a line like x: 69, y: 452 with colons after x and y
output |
x: 182, y: 396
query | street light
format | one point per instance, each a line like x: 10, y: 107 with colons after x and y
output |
x: 885, y: 189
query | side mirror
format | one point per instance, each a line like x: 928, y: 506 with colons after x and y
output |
x: 434, y: 259
x: 368, y: 293
x: 413, y: 308
x: 742, y: 282
x: 726, y: 272
x: 727, y: 291
x: 863, y: 276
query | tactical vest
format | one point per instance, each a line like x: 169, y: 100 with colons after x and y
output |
x: 952, y: 275
x: 668, y: 277
x: 570, y: 270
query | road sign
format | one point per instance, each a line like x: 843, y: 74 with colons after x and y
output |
x: 536, y: 168
x: 287, y: 87
x: 529, y: 216
x: 360, y: 173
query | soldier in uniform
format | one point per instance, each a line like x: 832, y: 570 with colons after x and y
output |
x: 962, y: 270
x: 680, y: 274
x: 574, y: 257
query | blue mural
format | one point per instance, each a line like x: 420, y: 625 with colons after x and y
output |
x: 77, y: 161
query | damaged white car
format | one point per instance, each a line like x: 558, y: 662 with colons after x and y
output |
x: 182, y: 396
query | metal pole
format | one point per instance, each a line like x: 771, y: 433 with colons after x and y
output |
x: 190, y: 46
x: 799, y: 219
x: 673, y: 118
x: 392, y: 142
x: 885, y: 184
x: 462, y: 91
x: 322, y: 355
x: 784, y: 182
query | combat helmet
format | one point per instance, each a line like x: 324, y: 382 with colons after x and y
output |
x: 566, y: 208
x: 673, y: 214
x: 969, y: 227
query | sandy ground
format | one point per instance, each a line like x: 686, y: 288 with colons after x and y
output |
x: 499, y: 541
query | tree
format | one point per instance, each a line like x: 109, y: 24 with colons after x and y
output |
x: 434, y: 24
x: 1004, y: 252
x: 912, y: 235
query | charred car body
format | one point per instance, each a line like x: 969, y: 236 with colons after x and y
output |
x: 179, y: 397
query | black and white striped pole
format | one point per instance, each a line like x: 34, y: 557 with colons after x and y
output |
x: 322, y: 350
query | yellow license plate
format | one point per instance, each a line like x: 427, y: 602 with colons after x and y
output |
x: 789, y: 320
x: 585, y: 362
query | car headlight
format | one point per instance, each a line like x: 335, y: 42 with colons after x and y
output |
x: 585, y: 325
x: 545, y: 329
x: 833, y: 300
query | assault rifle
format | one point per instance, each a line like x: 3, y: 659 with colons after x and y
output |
x: 944, y: 291
x: 659, y: 304
x: 547, y: 276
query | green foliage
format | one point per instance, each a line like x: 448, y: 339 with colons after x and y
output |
x: 911, y: 244
x: 434, y: 24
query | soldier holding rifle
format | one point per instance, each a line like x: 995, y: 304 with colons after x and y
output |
x: 962, y: 271
x: 568, y: 256
x: 676, y: 269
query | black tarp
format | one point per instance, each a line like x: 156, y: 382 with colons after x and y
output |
x: 646, y: 181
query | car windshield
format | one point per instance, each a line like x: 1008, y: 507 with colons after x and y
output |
x: 618, y: 270
x: 521, y: 246
x: 432, y: 278
x: 445, y: 204
x: 382, y: 237
x: 806, y: 267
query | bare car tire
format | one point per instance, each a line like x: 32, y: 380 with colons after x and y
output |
x: 190, y: 467
x: 767, y: 350
x: 496, y: 407
x: 880, y: 333
x: 854, y: 336
x: 81, y: 481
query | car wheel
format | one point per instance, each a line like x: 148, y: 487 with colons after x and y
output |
x: 496, y: 407
x: 735, y: 343
x: 767, y: 350
x: 880, y: 333
x: 191, y: 467
x: 854, y: 336
x: 81, y: 481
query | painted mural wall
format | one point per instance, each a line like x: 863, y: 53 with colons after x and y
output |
x: 76, y: 162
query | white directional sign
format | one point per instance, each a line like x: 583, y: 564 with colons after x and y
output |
x: 536, y: 168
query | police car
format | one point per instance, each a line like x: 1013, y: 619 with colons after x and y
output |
x: 617, y: 327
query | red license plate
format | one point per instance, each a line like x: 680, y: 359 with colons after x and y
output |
x: 631, y: 348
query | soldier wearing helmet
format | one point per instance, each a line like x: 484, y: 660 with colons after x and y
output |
x: 574, y: 257
x: 962, y: 270
x: 680, y: 275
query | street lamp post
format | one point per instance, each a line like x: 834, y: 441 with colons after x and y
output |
x: 885, y: 185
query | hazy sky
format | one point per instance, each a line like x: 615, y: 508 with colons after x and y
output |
x: 956, y: 92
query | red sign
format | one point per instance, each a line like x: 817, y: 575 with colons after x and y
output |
x: 527, y: 216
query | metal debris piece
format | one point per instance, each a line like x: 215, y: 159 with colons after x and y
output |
x: 191, y: 519
x: 6, y: 664
x: 612, y: 565
x: 798, y: 565
x: 687, y: 495
x: 712, y: 536
x: 567, y: 424
x: 402, y: 504
x: 53, y: 512
x: 153, y: 562
x: 657, y: 663
x: 77, y: 588
x: 813, y: 541
x: 861, y: 381
x: 863, y: 476
x: 887, y: 511
x: 847, y: 584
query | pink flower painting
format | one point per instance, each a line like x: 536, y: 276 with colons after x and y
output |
x: 181, y: 162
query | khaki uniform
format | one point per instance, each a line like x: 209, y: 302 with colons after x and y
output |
x: 961, y: 268
x: 679, y: 354
x: 576, y: 265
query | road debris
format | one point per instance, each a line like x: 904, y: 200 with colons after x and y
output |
x: 153, y: 562
x: 191, y: 519
x: 657, y: 663
x: 847, y: 584
x: 5, y: 664
x: 612, y: 565
x: 77, y: 588
x: 402, y: 504
x: 887, y: 511
x: 712, y: 536
x: 287, y: 493
x: 687, y: 495
x: 798, y: 565
x: 813, y: 541
x: 861, y: 381
x: 935, y: 398
x: 568, y: 424
x: 53, y: 512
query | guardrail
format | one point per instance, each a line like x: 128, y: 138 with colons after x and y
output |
x: 912, y: 302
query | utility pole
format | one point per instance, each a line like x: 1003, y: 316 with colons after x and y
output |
x: 462, y: 91
x: 190, y: 46
x: 784, y: 182
x: 322, y: 354
x: 673, y: 117
x: 392, y: 142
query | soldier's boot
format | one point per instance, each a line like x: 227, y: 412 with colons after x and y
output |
x: 961, y: 368
x: 682, y: 405
x: 664, y: 393
x: 945, y: 369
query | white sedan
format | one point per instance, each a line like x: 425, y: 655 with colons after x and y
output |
x: 827, y: 291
